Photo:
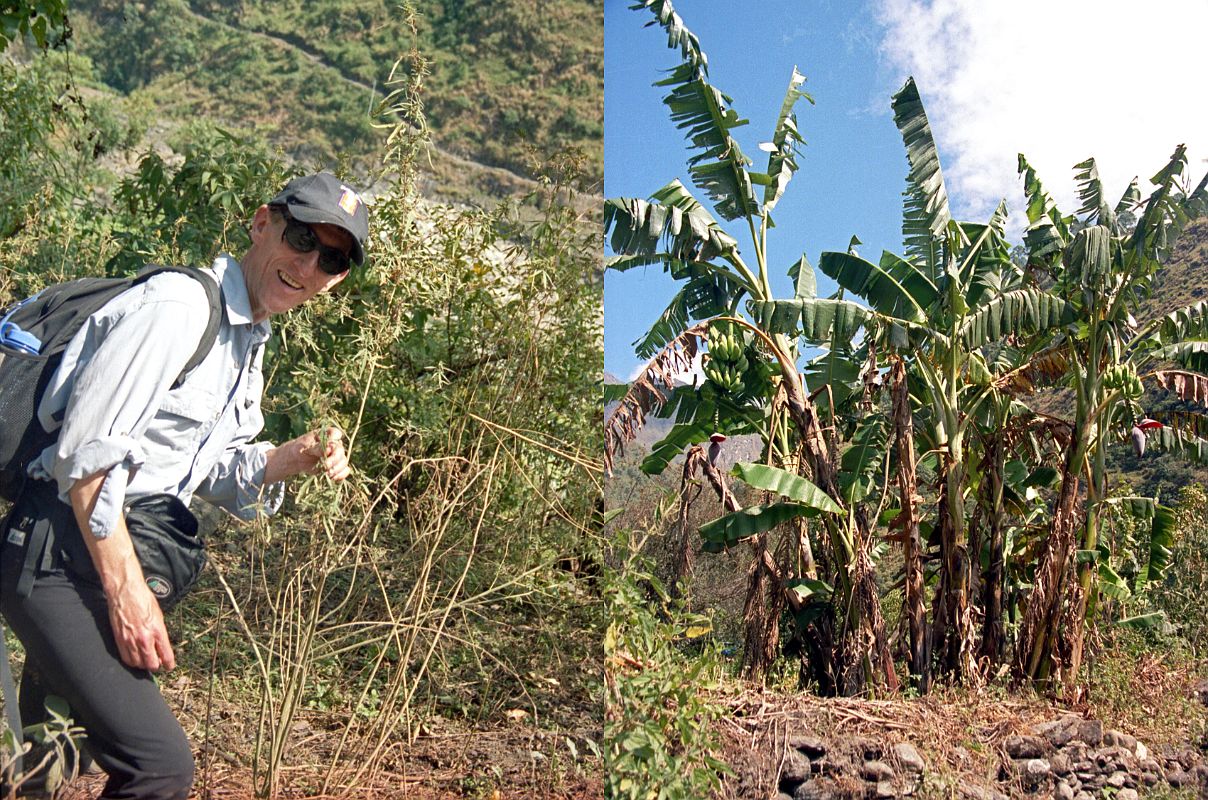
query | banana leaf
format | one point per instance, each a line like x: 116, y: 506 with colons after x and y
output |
x: 732, y: 528
x: 783, y: 482
x: 673, y: 445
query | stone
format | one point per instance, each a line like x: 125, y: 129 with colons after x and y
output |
x: 1149, y: 779
x: 1084, y: 796
x: 1076, y: 749
x: 1177, y: 778
x: 818, y: 789
x: 1090, y: 731
x: 975, y: 792
x: 1118, y: 739
x: 796, y: 769
x: 1200, y: 773
x: 1127, y: 794
x: 1116, y: 779
x: 1032, y: 773
x: 1115, y: 757
x: 812, y: 747
x: 875, y: 771
x: 908, y: 757
x: 1141, y: 751
x: 885, y: 789
x: 1063, y: 791
x: 1060, y: 764
x: 1059, y: 732
x: 1025, y: 746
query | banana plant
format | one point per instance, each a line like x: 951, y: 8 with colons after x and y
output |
x: 725, y: 306
x: 1102, y: 267
x: 953, y: 293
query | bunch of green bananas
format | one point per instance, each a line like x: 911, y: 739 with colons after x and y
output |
x: 726, y: 361
x: 1124, y: 378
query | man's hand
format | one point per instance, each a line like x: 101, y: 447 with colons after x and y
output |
x: 329, y: 457
x: 138, y: 624
x: 314, y: 453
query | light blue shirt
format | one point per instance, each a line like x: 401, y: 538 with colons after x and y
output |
x: 113, y: 393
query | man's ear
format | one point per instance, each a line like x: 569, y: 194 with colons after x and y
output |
x: 260, y: 222
x: 334, y: 281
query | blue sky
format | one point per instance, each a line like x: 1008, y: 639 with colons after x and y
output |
x: 1032, y: 76
x: 852, y: 169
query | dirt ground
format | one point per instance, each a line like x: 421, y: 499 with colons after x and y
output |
x: 445, y: 764
x: 449, y: 759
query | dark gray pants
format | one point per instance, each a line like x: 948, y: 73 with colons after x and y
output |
x: 70, y: 651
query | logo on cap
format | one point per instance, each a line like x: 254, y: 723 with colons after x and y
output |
x: 349, y: 201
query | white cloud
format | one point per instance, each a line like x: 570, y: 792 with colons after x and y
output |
x: 1056, y: 80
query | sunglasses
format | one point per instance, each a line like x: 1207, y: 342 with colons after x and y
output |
x: 303, y: 239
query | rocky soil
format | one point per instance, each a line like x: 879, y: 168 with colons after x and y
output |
x: 954, y: 746
x: 1070, y: 758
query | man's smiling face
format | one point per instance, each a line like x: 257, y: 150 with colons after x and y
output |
x: 280, y: 278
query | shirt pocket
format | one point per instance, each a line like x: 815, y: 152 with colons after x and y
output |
x: 184, y: 418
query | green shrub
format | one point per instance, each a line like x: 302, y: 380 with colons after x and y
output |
x: 658, y: 730
x: 1182, y: 593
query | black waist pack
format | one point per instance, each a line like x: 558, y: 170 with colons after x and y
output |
x: 164, y: 533
x: 162, y: 529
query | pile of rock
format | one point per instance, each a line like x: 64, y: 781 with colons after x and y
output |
x: 1074, y: 758
x: 812, y: 771
x: 1070, y: 758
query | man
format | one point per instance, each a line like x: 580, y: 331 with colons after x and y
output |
x: 128, y: 433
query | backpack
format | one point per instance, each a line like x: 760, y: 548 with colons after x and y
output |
x: 33, y: 335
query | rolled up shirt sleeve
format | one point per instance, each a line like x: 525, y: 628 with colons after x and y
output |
x: 236, y: 483
x: 117, y: 393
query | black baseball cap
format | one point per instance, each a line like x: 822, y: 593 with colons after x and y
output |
x: 323, y: 197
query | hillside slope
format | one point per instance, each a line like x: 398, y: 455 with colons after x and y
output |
x: 512, y: 83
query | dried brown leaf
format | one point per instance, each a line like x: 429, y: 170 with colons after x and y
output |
x: 1188, y: 386
x: 1045, y: 368
x: 646, y: 393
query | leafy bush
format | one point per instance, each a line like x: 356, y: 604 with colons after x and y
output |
x: 657, y: 730
x: 1182, y: 593
x: 190, y: 213
x: 50, y: 753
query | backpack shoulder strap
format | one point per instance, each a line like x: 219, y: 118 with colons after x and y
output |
x: 213, y: 296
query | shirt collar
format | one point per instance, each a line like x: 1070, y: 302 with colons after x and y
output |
x: 234, y: 293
